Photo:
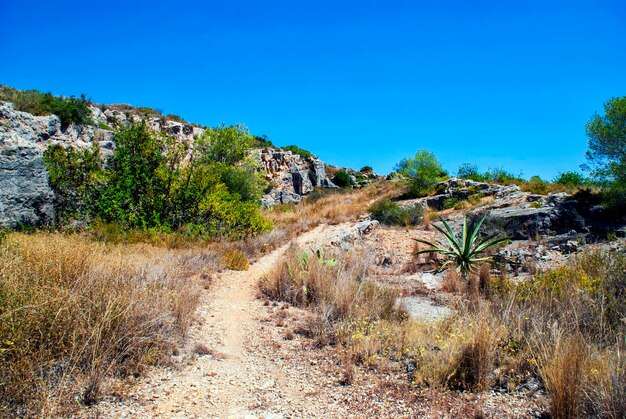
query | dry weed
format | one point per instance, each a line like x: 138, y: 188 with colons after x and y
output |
x: 76, y: 313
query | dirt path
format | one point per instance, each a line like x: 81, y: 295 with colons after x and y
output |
x: 238, y: 378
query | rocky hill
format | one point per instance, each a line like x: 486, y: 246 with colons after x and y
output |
x: 27, y: 199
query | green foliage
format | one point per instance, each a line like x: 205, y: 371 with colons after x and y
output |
x: 366, y: 170
x: 537, y: 186
x: 470, y: 171
x: 305, y: 154
x: 262, y: 141
x: 584, y: 295
x: 152, y: 181
x: 70, y: 110
x: 451, y: 202
x: 104, y: 125
x: 466, y: 251
x: 389, y: 213
x: 77, y: 178
x: 502, y: 176
x: 607, y: 148
x: 570, y: 179
x: 422, y: 172
x: 225, y: 144
x: 342, y: 179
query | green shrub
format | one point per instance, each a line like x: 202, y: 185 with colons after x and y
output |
x: 389, y: 213
x: 148, y: 184
x: 305, y: 154
x: 570, y: 179
x: 104, y: 125
x: 451, y: 202
x: 262, y: 141
x: 470, y: 171
x: 537, y: 186
x: 342, y: 179
x: 502, y: 176
x: 70, y: 110
x: 421, y: 172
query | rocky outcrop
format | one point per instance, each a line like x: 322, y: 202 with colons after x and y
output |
x: 522, y: 215
x: 26, y: 197
x: 291, y: 176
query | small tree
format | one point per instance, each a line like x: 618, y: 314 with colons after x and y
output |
x: 607, y: 146
x: 570, y: 179
x: 226, y: 144
x: 342, y: 179
x: 422, y: 172
x: 470, y: 171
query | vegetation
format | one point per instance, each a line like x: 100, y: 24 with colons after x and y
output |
x: 390, y: 213
x: 465, y: 252
x: 305, y: 154
x: 153, y: 181
x: 421, y: 172
x: 571, y: 179
x: 563, y: 327
x: 607, y: 149
x: 335, y: 289
x: 70, y: 110
x: 342, y: 179
x: 262, y: 141
x: 74, y: 313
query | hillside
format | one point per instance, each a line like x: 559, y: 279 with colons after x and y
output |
x: 28, y: 198
x: 150, y: 267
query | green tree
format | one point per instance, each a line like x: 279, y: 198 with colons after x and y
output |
x: 135, y: 193
x: 422, y: 172
x: 225, y: 144
x: 77, y: 178
x: 570, y: 179
x: 470, y: 171
x: 607, y: 147
x: 342, y: 179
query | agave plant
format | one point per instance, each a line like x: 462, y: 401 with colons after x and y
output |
x: 466, y: 252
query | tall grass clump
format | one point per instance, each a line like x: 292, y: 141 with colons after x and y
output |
x: 75, y: 314
x: 336, y: 289
x: 570, y: 322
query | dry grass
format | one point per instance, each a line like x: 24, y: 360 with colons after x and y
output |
x: 236, y: 260
x: 76, y: 313
x: 335, y: 289
x: 562, y: 328
x: 562, y: 366
x: 330, y: 208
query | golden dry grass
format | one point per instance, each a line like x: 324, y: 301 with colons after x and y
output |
x: 75, y: 313
x: 331, y: 208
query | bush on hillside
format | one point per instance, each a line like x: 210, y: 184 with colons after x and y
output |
x: 342, y: 179
x: 70, y: 110
x: 390, y: 213
x: 470, y: 171
x: 148, y: 184
x: 570, y: 179
x: 305, y: 154
x: 421, y: 172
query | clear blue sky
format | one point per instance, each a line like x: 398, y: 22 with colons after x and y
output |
x: 498, y: 83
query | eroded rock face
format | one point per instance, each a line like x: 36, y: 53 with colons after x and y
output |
x: 291, y: 176
x: 25, y: 196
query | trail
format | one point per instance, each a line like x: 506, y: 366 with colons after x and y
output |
x: 238, y: 379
